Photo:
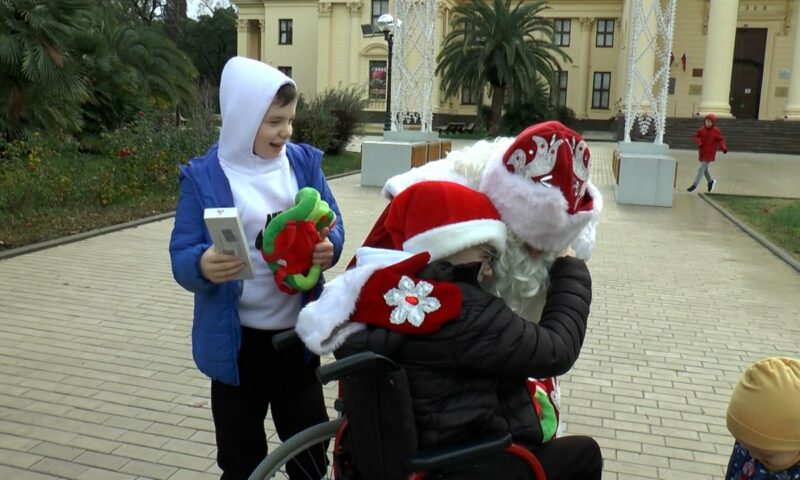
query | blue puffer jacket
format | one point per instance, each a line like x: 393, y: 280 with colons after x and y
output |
x: 216, y: 332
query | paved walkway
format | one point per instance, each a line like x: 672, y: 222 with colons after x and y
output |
x: 97, y: 381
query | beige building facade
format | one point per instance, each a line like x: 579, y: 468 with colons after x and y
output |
x: 731, y: 57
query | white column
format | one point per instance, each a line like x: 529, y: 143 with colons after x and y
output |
x: 355, y: 41
x: 720, y: 41
x: 241, y: 38
x: 584, y: 71
x: 262, y: 27
x: 324, y: 46
x: 792, y: 110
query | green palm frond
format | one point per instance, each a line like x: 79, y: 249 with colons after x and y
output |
x: 507, y: 45
x: 43, y: 84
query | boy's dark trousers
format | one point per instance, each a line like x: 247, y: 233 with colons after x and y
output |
x: 285, y: 381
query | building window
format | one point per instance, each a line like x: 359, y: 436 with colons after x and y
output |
x: 285, y: 32
x: 286, y: 71
x: 377, y: 79
x: 601, y: 89
x: 558, y: 94
x: 470, y: 96
x: 562, y: 28
x: 605, y: 33
x: 379, y: 7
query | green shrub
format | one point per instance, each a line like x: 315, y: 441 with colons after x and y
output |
x: 42, y: 171
x: 336, y: 113
x: 347, y: 105
x: 37, y: 169
x: 564, y: 115
x: 315, y: 127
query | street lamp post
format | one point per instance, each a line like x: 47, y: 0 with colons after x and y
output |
x: 386, y: 24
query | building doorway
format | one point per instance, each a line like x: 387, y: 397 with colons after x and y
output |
x: 748, y: 71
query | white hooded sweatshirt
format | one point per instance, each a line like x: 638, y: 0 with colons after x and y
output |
x: 260, y: 186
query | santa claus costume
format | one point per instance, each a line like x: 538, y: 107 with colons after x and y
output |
x: 539, y: 182
x: 466, y: 354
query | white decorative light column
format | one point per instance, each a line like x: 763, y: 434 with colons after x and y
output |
x: 413, y: 63
x: 646, y: 47
x: 410, y: 33
x: 646, y: 170
x: 720, y: 41
x: 651, y: 41
x: 792, y: 111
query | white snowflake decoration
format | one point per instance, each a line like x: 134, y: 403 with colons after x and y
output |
x: 411, y: 302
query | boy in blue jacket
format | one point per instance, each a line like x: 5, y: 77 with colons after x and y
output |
x: 254, y: 168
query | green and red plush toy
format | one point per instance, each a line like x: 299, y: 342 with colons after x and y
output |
x: 288, y: 240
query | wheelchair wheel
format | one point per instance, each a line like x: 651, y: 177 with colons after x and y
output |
x: 290, y: 454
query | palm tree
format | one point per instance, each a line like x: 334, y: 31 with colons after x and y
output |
x: 66, y: 65
x: 508, y: 47
x: 116, y: 92
x: 41, y: 82
x: 165, y: 72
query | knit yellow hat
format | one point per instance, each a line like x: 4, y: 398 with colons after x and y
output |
x: 764, y: 410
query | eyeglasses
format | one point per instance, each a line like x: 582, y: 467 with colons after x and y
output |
x: 491, y: 255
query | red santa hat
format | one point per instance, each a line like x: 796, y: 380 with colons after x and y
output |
x: 443, y: 218
x: 540, y: 185
x: 383, y: 291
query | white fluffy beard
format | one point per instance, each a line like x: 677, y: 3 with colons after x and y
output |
x: 470, y: 162
x: 520, y: 280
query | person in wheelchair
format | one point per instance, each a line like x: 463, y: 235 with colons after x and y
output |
x: 466, y: 354
x: 540, y: 184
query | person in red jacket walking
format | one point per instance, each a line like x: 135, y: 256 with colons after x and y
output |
x: 708, y: 139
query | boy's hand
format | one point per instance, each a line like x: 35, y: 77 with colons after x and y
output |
x: 569, y: 252
x: 323, y: 251
x: 219, y: 267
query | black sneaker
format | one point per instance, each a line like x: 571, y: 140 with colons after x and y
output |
x: 691, y: 188
x: 711, y: 185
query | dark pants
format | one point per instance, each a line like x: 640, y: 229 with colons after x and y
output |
x: 284, y: 380
x: 571, y: 458
x: 566, y: 458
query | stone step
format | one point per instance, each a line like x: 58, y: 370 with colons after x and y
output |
x: 770, y: 136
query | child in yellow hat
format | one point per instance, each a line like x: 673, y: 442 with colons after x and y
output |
x: 764, y: 418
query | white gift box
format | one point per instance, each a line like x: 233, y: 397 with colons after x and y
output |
x: 228, y: 236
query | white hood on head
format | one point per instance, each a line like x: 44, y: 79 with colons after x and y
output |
x: 246, y: 91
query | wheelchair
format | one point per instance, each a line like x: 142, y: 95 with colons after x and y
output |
x: 375, y: 436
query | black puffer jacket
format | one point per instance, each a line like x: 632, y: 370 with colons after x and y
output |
x: 468, y: 378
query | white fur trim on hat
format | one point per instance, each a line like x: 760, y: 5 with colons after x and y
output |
x: 446, y: 240
x: 439, y: 170
x: 324, y: 324
x: 533, y: 211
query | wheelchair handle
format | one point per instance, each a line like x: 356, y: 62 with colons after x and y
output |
x: 354, y: 364
x: 285, y: 340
